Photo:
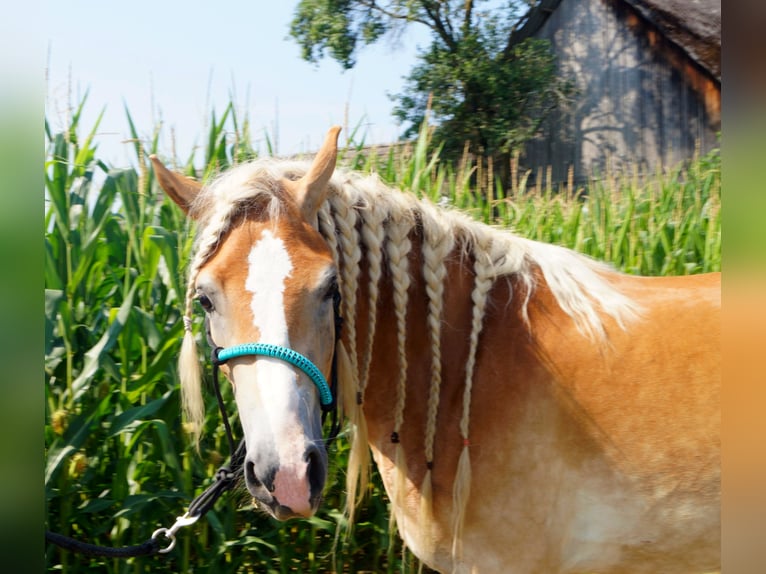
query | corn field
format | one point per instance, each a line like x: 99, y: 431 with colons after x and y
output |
x: 118, y: 461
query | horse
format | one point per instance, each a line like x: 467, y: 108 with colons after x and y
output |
x: 529, y: 408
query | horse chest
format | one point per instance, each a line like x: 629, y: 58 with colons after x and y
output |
x: 545, y: 514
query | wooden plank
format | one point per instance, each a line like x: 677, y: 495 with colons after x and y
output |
x: 635, y: 107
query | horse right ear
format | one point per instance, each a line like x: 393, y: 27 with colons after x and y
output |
x: 181, y: 189
x: 311, y: 190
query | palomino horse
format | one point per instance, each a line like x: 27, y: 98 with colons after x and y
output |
x: 529, y: 409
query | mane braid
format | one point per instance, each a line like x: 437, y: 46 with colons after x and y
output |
x: 397, y: 249
x: 345, y: 217
x: 209, y: 235
x: 326, y: 227
x: 483, y: 272
x: 373, y: 234
x: 328, y: 231
x: 357, y: 474
x: 438, y: 242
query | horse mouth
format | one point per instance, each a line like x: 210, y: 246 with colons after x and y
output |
x: 293, y: 491
x: 282, y: 512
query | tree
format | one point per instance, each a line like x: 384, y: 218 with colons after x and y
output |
x: 480, y: 85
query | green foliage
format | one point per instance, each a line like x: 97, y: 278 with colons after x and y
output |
x: 118, y: 462
x: 645, y: 224
x: 339, y: 26
x: 328, y: 25
x: 490, y: 101
x: 480, y: 89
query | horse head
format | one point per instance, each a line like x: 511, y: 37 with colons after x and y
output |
x: 264, y: 275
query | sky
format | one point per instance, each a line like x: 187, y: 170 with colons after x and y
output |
x: 173, y: 62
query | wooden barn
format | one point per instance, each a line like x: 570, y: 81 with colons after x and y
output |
x: 648, y: 80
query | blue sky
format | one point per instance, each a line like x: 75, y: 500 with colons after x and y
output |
x: 175, y: 61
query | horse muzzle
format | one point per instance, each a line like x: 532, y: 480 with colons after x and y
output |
x: 288, y: 490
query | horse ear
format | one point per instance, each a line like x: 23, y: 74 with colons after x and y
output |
x: 311, y: 190
x: 181, y: 189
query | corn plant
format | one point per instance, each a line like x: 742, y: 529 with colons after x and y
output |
x: 665, y: 223
x: 118, y: 462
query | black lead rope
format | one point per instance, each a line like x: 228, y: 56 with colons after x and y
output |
x: 225, y: 479
x: 221, y: 406
x: 148, y: 548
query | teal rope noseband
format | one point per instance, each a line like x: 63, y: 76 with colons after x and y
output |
x: 284, y: 354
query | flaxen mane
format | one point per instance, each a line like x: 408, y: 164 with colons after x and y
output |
x: 363, y: 217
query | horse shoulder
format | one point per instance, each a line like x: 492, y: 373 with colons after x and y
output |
x: 648, y: 400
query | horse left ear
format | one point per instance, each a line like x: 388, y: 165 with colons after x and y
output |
x: 311, y: 190
x: 181, y: 189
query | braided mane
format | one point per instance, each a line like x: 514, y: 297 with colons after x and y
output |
x: 361, y: 212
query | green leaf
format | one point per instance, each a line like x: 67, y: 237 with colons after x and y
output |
x: 97, y: 505
x: 137, y: 414
x: 55, y: 459
x: 168, y: 244
x: 78, y: 433
x: 94, y: 355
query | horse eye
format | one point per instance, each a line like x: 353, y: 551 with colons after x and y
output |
x: 332, y: 289
x: 205, y: 302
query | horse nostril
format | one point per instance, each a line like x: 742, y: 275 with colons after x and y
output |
x: 252, y: 480
x: 250, y: 477
x: 315, y: 470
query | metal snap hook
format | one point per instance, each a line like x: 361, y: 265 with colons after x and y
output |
x: 170, y: 533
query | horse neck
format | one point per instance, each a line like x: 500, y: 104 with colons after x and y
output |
x: 414, y: 289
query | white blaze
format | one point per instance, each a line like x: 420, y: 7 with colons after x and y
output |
x: 272, y: 384
x: 266, y: 393
x: 268, y: 266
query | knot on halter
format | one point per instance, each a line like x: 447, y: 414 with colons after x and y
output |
x: 215, y: 358
x: 187, y: 323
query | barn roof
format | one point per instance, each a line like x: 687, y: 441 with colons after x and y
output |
x: 692, y: 25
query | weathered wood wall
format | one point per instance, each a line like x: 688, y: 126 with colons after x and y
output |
x: 640, y: 102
